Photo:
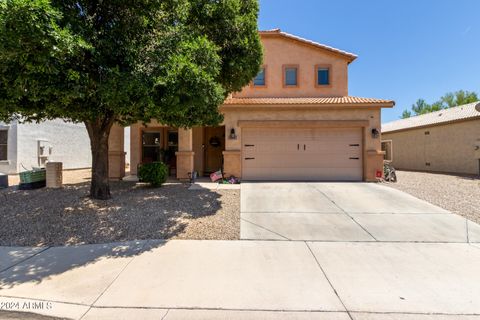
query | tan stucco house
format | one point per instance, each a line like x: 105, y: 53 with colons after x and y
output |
x: 295, y: 121
x: 442, y: 141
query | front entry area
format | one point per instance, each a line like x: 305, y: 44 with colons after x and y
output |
x: 160, y: 144
x: 214, y: 145
x: 300, y: 154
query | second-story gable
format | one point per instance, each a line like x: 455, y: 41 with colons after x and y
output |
x: 295, y: 67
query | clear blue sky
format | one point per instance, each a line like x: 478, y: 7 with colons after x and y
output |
x: 408, y: 49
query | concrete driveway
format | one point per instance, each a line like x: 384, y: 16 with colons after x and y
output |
x: 346, y: 212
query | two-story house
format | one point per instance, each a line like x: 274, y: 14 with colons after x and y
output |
x: 295, y: 121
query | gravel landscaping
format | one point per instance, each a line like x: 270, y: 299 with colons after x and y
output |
x: 67, y: 216
x: 458, y: 194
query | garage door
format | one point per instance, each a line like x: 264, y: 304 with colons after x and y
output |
x: 329, y: 154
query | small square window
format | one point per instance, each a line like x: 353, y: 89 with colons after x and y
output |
x: 323, y: 76
x: 260, y: 78
x: 291, y: 76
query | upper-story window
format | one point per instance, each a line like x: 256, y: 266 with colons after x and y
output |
x: 3, y: 145
x: 323, y: 74
x: 260, y: 80
x: 290, y: 76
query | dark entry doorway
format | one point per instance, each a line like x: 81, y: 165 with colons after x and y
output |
x: 214, y: 142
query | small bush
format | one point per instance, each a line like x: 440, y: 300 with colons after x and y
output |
x: 155, y: 173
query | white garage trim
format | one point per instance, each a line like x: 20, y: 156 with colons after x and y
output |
x: 303, y: 123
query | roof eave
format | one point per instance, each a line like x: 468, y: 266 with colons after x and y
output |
x: 432, y: 124
x: 350, y: 57
x: 310, y: 105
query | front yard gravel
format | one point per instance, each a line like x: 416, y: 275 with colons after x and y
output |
x: 51, y: 217
x: 458, y: 194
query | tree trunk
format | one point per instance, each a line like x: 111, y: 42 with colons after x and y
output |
x: 99, y: 131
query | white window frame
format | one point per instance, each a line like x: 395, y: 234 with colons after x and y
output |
x: 388, y: 143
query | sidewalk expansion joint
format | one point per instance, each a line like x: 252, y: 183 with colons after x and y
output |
x: 329, y: 282
x: 262, y: 227
x: 222, y: 309
x: 113, y: 281
x: 165, y: 315
x: 345, y: 212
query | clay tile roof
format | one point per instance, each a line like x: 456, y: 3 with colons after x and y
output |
x: 349, y: 55
x: 464, y: 112
x: 311, y: 101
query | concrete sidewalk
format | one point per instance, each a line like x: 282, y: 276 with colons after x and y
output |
x: 245, y: 280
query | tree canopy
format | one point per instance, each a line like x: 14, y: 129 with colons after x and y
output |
x: 101, y: 62
x: 448, y: 100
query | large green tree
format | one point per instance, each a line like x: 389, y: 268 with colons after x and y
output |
x: 458, y: 98
x: 122, y: 61
x: 449, y: 100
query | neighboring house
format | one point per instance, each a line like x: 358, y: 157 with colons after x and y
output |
x: 443, y: 141
x: 295, y: 121
x: 31, y: 145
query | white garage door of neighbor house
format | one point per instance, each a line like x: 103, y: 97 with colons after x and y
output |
x: 328, y: 154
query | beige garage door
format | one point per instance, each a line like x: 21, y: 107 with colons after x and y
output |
x: 329, y: 154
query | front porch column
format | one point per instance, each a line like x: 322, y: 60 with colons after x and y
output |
x: 373, y: 164
x: 232, y: 163
x: 185, y: 161
x: 116, y: 153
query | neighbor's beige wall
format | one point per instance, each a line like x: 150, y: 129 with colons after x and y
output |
x: 448, y: 148
x: 279, y: 51
x: 372, y: 160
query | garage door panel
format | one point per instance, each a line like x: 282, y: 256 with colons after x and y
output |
x: 303, y: 174
x: 270, y: 148
x: 308, y: 162
x: 329, y: 148
x: 302, y: 154
x: 308, y: 147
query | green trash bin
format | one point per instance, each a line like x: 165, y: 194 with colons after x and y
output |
x: 32, y: 179
x: 3, y: 180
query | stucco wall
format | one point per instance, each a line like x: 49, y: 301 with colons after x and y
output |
x: 372, y: 160
x: 69, y: 141
x: 448, y: 148
x: 279, y: 51
x: 233, y: 115
x: 10, y: 166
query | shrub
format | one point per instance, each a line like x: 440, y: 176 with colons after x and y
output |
x: 154, y: 173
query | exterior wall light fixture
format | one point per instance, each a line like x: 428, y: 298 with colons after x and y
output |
x: 233, y: 135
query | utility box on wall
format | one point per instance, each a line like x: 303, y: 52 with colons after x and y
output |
x: 44, y: 152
